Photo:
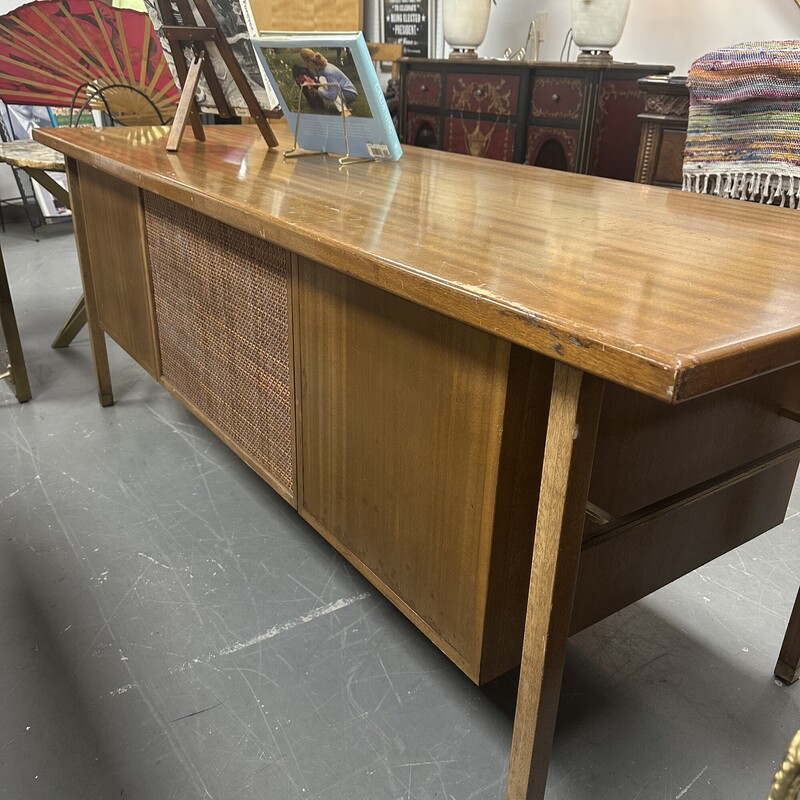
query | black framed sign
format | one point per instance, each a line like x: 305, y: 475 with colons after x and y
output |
x: 410, y: 23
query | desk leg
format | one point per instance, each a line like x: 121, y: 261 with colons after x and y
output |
x: 77, y: 319
x: 49, y: 183
x: 72, y: 327
x: 569, y: 450
x: 788, y: 665
x: 96, y: 335
x: 8, y: 324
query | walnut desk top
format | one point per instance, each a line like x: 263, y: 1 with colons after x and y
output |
x: 668, y: 293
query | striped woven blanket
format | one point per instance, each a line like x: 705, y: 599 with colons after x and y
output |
x: 743, y: 138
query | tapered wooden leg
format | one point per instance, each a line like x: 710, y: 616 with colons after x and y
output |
x: 788, y: 665
x: 8, y: 324
x: 96, y: 335
x: 72, y: 327
x: 77, y: 319
x: 569, y: 451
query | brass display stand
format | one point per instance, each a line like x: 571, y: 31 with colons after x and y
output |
x: 298, y: 152
x: 178, y: 34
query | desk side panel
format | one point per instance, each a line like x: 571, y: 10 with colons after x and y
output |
x: 402, y: 420
x: 111, y: 214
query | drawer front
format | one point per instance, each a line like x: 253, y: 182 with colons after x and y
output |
x: 557, y: 98
x: 481, y: 138
x: 497, y: 95
x: 424, y: 89
x: 616, y: 142
x: 554, y: 148
x: 423, y: 130
x: 668, y: 169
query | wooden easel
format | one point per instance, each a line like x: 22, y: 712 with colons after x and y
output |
x: 188, y: 110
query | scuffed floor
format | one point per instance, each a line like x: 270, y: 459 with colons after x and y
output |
x: 171, y: 630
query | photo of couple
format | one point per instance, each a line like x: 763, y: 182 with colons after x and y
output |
x: 327, y: 78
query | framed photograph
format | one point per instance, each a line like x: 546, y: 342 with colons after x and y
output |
x: 410, y: 23
x: 334, y: 77
x: 237, y: 23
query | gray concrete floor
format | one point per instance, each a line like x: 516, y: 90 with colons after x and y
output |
x: 170, y: 629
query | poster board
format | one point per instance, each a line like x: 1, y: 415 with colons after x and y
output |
x: 314, y: 15
x: 410, y: 23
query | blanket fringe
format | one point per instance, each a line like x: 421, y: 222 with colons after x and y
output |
x: 760, y: 187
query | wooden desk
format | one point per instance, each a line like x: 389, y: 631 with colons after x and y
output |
x: 37, y: 160
x: 434, y: 358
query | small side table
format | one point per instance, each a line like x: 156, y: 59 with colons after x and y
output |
x: 37, y: 160
x: 664, y: 121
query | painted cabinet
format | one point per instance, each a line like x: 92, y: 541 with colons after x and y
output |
x: 569, y: 116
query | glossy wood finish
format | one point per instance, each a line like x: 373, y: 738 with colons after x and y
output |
x: 669, y: 293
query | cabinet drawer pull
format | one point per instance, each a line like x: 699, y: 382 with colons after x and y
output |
x: 555, y: 98
x: 423, y: 87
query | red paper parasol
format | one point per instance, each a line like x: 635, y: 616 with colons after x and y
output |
x: 51, y: 48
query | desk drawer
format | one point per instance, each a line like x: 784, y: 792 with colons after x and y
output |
x: 424, y: 89
x: 495, y: 95
x: 683, y: 485
x: 557, y: 98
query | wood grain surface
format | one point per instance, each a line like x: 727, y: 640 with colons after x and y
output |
x: 404, y: 477
x: 665, y: 292
x: 113, y: 225
x: 318, y: 15
x: 569, y: 448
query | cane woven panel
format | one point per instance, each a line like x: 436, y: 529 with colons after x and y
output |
x: 222, y: 307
